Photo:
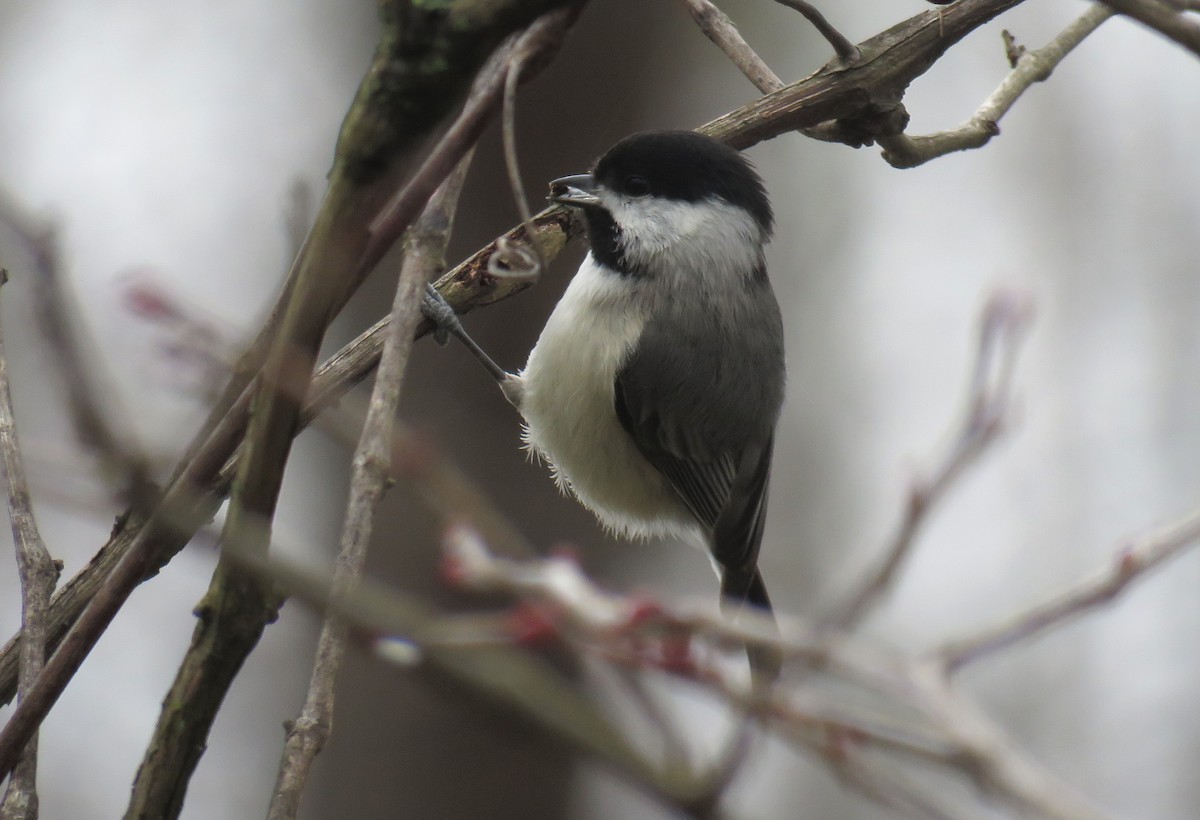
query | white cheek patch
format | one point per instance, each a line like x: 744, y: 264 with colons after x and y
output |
x: 709, y: 237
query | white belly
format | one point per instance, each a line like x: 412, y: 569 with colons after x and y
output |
x: 567, y: 402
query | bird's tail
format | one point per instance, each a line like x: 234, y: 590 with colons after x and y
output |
x: 742, y: 589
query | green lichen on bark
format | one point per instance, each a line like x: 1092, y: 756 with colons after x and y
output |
x: 427, y: 55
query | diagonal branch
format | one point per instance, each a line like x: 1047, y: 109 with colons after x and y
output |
x: 925, y: 720
x: 1002, y: 326
x: 845, y: 50
x: 1029, y: 67
x: 717, y: 27
x: 1168, y: 17
x: 1129, y: 565
x: 119, y: 459
x: 863, y: 97
x: 424, y: 255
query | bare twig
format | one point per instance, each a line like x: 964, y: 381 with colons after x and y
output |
x: 536, y: 44
x: 395, y: 627
x: 1029, y: 67
x: 717, y: 27
x: 180, y: 515
x: 865, y: 93
x: 39, y: 574
x: 951, y: 732
x: 1002, y: 325
x: 120, y: 459
x: 846, y: 51
x: 424, y: 256
x: 1167, y: 17
x: 536, y: 263
x: 1130, y: 564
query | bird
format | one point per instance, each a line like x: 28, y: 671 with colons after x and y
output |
x: 655, y: 387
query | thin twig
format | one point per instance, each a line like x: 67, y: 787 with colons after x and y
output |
x: 505, y: 675
x: 529, y: 265
x: 846, y: 51
x: 717, y: 27
x: 1029, y: 67
x: 866, y: 93
x: 989, y: 758
x: 952, y: 733
x: 1168, y: 18
x: 1130, y: 564
x: 1002, y: 326
x: 114, y: 579
x: 196, y: 490
x: 121, y: 461
x: 424, y: 256
x: 541, y: 39
x: 38, y: 573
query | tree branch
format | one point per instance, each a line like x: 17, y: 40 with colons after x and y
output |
x: 38, y: 573
x: 845, y: 50
x: 120, y: 460
x: 1166, y: 17
x: 1130, y: 564
x: 1029, y: 67
x: 1002, y: 326
x: 835, y: 723
x: 557, y: 603
x: 424, y: 255
x: 717, y: 27
x: 863, y: 98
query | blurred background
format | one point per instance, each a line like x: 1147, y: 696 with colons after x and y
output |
x: 166, y: 142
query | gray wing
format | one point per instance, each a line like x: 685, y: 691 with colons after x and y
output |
x: 700, y: 401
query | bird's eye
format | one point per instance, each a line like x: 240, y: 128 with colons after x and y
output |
x: 637, y: 186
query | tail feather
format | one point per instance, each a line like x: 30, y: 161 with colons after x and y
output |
x: 740, y: 589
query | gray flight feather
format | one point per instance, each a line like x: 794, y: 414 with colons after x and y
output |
x: 700, y: 398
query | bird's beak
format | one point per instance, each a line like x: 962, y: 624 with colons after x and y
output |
x: 578, y: 191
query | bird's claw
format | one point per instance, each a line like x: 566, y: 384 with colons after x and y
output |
x: 437, y: 310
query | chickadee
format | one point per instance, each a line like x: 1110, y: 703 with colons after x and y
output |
x: 654, y: 389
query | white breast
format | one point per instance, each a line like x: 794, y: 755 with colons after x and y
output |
x: 567, y: 402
